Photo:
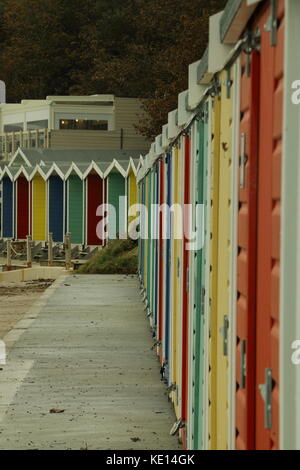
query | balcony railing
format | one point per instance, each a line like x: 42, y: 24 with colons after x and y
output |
x: 11, y: 141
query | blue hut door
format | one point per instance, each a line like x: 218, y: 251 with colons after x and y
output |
x: 56, y: 208
x: 7, y: 208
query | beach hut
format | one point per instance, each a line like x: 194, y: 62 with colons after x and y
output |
x: 56, y: 203
x: 289, y: 417
x: 94, y: 197
x: 75, y: 203
x: 22, y: 206
x: 131, y: 186
x: 7, y: 207
x: 39, y: 216
x: 115, y: 175
x: 176, y: 270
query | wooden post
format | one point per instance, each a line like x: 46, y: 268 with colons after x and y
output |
x: 50, y: 249
x: 68, y: 250
x: 29, y: 252
x: 8, y: 244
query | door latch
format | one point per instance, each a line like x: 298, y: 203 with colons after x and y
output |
x: 266, y: 393
x: 224, y: 331
x: 243, y: 364
x: 243, y: 160
x: 202, y: 300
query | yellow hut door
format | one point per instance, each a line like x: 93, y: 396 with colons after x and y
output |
x: 39, y: 194
x: 213, y: 282
x: 224, y: 251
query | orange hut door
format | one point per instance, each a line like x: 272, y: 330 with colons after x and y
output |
x: 268, y: 241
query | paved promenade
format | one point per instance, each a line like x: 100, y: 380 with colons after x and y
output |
x: 85, y: 349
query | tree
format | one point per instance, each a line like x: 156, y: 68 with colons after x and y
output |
x: 38, y: 51
x: 134, y: 48
x: 144, y: 49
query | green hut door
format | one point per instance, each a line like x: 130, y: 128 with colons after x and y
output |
x: 75, y: 208
x: 199, y: 279
x: 116, y: 188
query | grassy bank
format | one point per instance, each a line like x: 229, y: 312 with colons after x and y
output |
x: 118, y: 257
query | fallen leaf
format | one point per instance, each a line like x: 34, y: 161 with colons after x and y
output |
x: 135, y: 439
x: 56, y: 411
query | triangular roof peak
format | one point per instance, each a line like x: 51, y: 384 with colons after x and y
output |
x: 22, y: 171
x: 6, y: 172
x: 73, y: 169
x: 19, y: 156
x: 131, y: 167
x: 91, y: 167
x: 115, y: 164
x: 55, y: 169
x: 38, y: 170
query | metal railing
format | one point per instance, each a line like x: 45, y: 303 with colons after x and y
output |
x: 11, y: 141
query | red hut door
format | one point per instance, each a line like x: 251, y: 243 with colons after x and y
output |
x: 22, y: 208
x: 185, y: 291
x: 246, y: 282
x: 94, y: 200
x: 259, y: 235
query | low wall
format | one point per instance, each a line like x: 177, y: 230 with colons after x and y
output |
x: 31, y: 274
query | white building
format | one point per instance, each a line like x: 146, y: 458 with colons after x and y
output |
x: 97, y: 121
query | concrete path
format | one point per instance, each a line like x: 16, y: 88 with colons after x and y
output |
x: 85, y: 348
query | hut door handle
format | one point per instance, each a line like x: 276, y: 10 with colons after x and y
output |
x: 243, y: 364
x: 243, y: 161
x: 266, y: 393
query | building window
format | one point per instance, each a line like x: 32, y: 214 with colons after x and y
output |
x: 36, y: 125
x: 13, y: 127
x: 81, y: 124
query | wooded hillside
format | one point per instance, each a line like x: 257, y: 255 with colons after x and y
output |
x: 134, y: 48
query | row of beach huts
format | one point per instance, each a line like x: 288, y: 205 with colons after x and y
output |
x: 226, y: 316
x: 58, y: 191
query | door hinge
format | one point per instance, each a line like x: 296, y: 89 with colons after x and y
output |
x: 215, y: 88
x: 206, y: 113
x: 266, y: 393
x: 243, y: 364
x: 187, y: 132
x: 224, y: 331
x: 228, y: 83
x: 202, y: 115
x: 178, y: 267
x: 272, y: 23
x: 252, y: 43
